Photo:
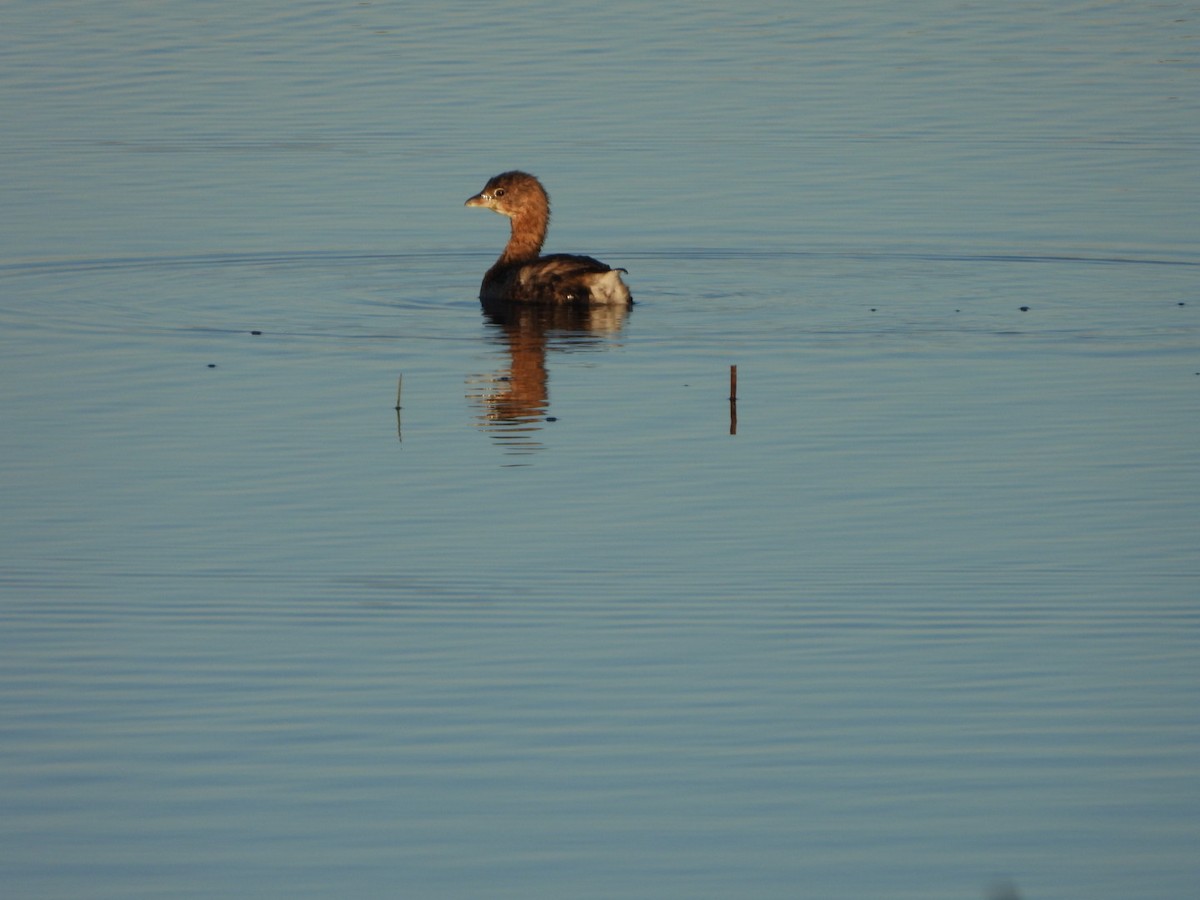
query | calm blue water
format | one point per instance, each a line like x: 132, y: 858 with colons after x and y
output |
x: 916, y: 618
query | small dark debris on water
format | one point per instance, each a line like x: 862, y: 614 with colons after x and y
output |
x: 256, y: 332
x: 551, y: 418
x: 1024, y: 309
x: 212, y: 365
x: 1003, y: 890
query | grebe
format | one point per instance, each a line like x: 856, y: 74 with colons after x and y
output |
x: 520, y: 275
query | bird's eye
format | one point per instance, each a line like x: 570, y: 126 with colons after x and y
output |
x: 498, y: 192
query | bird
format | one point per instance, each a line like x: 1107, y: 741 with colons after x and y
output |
x: 521, y: 274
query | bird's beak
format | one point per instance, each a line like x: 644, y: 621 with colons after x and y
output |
x: 477, y: 200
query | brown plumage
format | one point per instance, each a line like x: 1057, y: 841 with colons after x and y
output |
x: 520, y: 275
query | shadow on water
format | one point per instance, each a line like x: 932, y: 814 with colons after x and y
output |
x: 514, y: 403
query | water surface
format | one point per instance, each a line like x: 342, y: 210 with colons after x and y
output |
x: 916, y: 617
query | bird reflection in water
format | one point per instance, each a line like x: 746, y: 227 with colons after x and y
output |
x: 514, y: 404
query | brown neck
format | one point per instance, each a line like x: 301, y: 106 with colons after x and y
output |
x: 528, y: 234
